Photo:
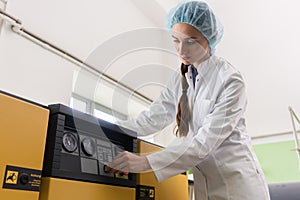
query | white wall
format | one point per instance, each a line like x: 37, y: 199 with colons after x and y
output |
x: 261, y: 39
x: 78, y: 27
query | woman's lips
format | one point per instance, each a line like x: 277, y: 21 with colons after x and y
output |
x: 185, y: 58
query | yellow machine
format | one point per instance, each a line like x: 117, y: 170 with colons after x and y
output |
x: 78, y: 148
x: 23, y: 128
x: 71, y: 161
x: 175, y: 188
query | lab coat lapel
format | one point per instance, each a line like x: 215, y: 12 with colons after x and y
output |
x: 191, y: 90
x: 191, y: 93
x: 205, y: 70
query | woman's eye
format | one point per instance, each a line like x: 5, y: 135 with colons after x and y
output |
x: 176, y: 41
x: 190, y: 41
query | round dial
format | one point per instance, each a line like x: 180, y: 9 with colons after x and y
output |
x: 88, y: 146
x: 69, y: 142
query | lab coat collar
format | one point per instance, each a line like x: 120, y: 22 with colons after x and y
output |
x: 204, y: 67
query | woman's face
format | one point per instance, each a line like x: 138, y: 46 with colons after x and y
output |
x: 190, y: 44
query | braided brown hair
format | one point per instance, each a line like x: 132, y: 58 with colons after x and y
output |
x: 183, y: 114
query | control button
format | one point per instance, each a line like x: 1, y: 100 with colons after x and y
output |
x: 24, y: 178
x: 69, y: 142
x: 88, y: 146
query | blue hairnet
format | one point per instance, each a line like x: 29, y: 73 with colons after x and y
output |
x: 199, y: 15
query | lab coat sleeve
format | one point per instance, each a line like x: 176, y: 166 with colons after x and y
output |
x: 160, y: 114
x: 217, y: 126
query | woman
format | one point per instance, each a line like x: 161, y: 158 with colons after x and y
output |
x: 207, y: 100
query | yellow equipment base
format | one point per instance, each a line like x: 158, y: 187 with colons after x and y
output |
x: 175, y: 188
x: 62, y: 189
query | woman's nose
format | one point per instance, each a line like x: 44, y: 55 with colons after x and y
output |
x: 181, y: 48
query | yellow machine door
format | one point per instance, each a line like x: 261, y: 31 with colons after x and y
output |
x: 23, y: 129
x: 175, y: 188
x: 63, y: 189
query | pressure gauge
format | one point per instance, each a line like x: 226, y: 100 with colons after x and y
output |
x: 69, y: 142
x: 88, y: 146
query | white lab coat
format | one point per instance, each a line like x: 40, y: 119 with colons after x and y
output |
x: 217, y: 147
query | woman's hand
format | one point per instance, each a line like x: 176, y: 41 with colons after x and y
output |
x: 127, y: 162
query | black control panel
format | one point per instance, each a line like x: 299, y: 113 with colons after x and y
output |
x: 79, y: 146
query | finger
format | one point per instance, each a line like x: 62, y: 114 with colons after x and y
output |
x: 107, y: 169
x: 110, y: 170
x: 123, y: 167
x: 121, y: 154
x: 115, y: 164
x: 118, y: 161
x: 123, y: 173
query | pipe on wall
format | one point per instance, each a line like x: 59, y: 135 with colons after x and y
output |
x: 17, y: 27
x: 3, y: 4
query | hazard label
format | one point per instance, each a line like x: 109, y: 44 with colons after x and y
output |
x: 145, y: 192
x: 12, y: 177
x: 151, y: 193
x: 19, y: 178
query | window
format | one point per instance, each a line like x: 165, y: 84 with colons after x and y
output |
x: 79, y: 104
x: 107, y: 114
x: 104, y: 116
x: 84, y: 105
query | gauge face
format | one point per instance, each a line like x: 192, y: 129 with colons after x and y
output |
x: 69, y: 142
x: 88, y: 146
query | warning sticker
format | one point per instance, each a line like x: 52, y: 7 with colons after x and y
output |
x: 11, y: 177
x: 20, y: 178
x: 151, y: 193
x: 145, y: 192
